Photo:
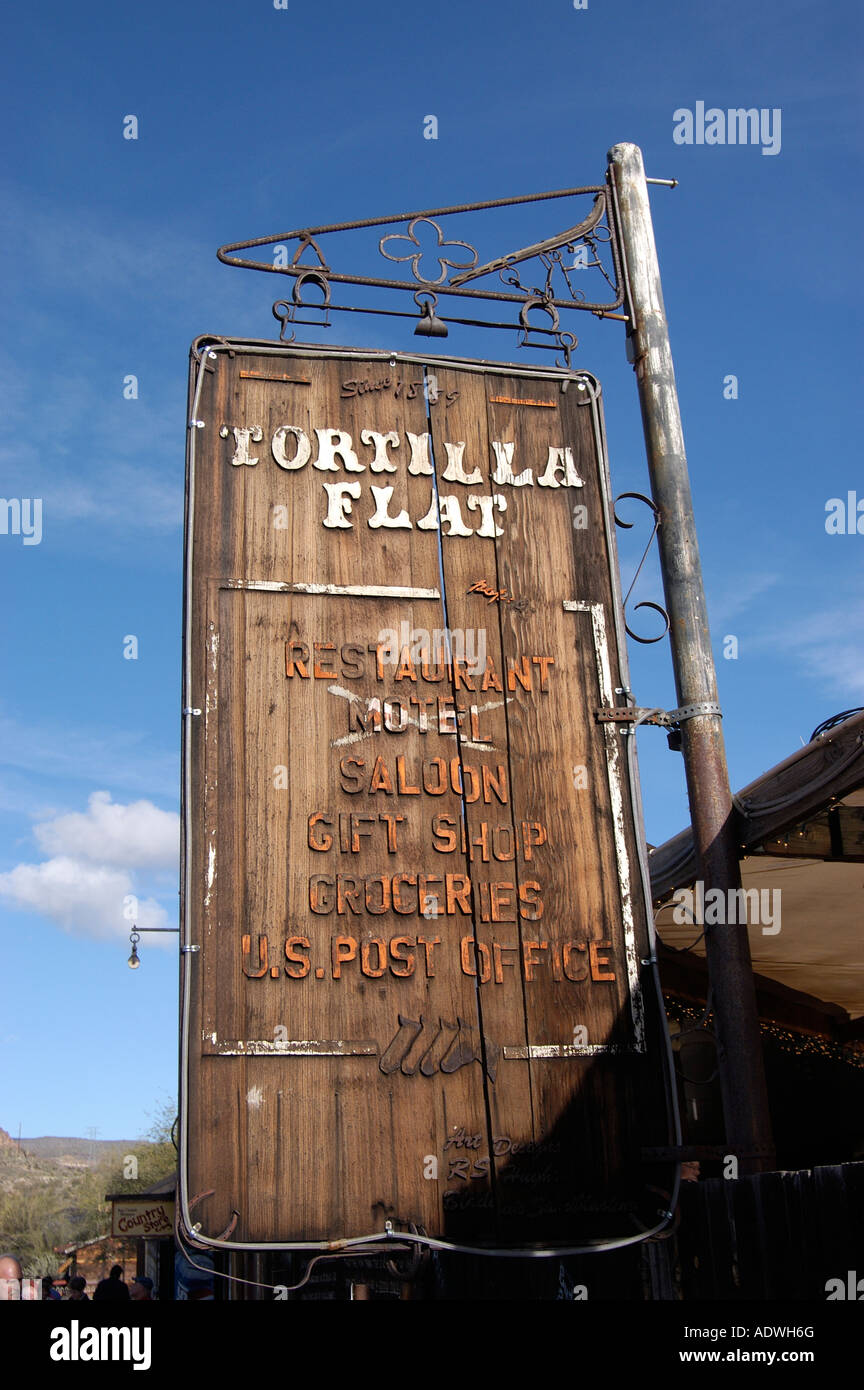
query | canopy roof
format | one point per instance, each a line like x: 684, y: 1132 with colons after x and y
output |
x: 801, y: 830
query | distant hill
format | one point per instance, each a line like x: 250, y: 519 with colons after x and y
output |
x: 52, y: 1190
x: 86, y: 1150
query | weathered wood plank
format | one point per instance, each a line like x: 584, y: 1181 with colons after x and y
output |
x: 412, y: 877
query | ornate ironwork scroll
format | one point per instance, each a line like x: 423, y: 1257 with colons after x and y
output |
x: 646, y: 603
x: 542, y: 279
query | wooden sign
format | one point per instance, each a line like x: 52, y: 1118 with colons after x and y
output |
x: 412, y: 897
x: 147, y: 1217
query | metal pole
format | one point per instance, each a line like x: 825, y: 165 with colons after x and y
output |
x: 733, y: 994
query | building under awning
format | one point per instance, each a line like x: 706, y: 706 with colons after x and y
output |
x: 800, y: 828
x: 148, y: 1219
x: 800, y: 831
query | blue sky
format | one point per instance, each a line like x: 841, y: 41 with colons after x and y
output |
x: 254, y: 120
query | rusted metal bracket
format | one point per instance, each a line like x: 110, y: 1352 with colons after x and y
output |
x: 223, y: 1235
x: 667, y: 719
x: 631, y: 714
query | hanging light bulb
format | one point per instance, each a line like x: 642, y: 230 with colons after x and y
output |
x: 134, y: 960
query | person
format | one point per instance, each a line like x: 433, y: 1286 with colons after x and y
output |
x: 199, y: 1291
x: 48, y: 1290
x: 112, y: 1289
x: 10, y: 1278
x: 141, y: 1290
x: 78, y: 1290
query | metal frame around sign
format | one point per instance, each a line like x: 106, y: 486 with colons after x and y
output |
x: 206, y: 347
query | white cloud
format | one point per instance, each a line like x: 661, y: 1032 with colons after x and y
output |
x: 829, y: 646
x: 84, y: 899
x: 136, y: 836
x: 86, y: 886
x: 726, y: 601
x: 88, y: 754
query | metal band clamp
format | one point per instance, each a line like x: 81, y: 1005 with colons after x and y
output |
x: 633, y: 714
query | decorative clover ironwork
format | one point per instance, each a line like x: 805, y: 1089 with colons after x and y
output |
x: 415, y: 257
x: 549, y: 279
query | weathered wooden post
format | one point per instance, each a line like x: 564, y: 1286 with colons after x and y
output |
x: 742, y: 1076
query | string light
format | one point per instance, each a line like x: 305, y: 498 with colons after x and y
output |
x: 786, y: 1039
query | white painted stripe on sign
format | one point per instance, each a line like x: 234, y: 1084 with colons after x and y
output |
x: 543, y: 1051
x: 268, y: 586
x: 615, y: 775
x: 296, y: 1047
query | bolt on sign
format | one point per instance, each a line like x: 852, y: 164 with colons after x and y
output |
x: 413, y: 911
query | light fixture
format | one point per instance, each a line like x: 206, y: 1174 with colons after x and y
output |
x: 135, y: 936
